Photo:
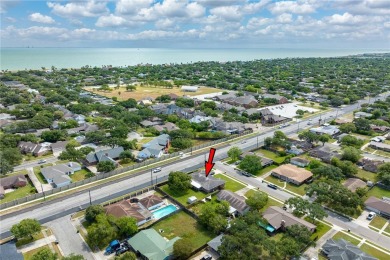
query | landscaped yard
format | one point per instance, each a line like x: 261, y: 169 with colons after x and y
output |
x: 266, y: 169
x: 79, y: 175
x: 374, y: 252
x: 230, y: 184
x: 182, y: 198
x: 37, y: 169
x: 184, y: 226
x: 370, y: 176
x: 27, y: 240
x: 321, y: 228
x: 378, y: 192
x: 291, y: 187
x: 271, y: 155
x: 341, y: 235
x: 378, y: 222
x: 271, y: 202
x: 19, y: 193
x: 29, y: 254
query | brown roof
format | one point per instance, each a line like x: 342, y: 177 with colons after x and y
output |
x: 126, y: 208
x: 353, y: 183
x: 150, y: 201
x: 381, y: 205
x: 9, y: 182
x: 293, y: 172
x: 275, y: 215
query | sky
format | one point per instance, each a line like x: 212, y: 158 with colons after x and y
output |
x: 322, y: 24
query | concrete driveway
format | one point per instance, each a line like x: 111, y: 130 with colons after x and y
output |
x: 362, y: 219
x: 205, y: 252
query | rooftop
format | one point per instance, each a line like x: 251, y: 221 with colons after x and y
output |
x: 293, y: 172
x: 276, y: 215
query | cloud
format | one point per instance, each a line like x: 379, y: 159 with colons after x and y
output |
x: 363, y: 7
x: 131, y: 6
x: 113, y: 21
x: 10, y: 19
x: 216, y: 3
x: 284, y: 18
x: 79, y: 9
x: 229, y: 13
x: 5, y: 5
x: 346, y: 19
x: 256, y: 22
x: 40, y: 18
x: 295, y: 7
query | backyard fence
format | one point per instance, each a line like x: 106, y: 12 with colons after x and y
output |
x: 117, y: 171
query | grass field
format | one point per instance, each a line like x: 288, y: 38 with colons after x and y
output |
x: 291, y: 187
x: 266, y: 169
x: 182, y: 198
x: 273, y: 156
x: 320, y: 230
x: 341, y: 235
x: 28, y: 255
x: 230, y: 184
x: 148, y: 91
x: 79, y: 175
x: 367, y: 175
x: 374, y: 252
x: 378, y: 192
x: 18, y: 193
x: 184, y: 226
x: 378, y: 222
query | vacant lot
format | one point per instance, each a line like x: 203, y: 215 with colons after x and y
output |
x: 182, y: 198
x: 271, y: 155
x: 143, y: 92
x: 184, y: 226
x: 230, y: 184
x: 291, y: 187
x: 18, y: 193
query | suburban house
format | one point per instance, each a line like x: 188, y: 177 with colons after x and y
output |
x: 380, y: 146
x: 214, y: 244
x: 325, y: 152
x: 58, y: 147
x: 151, y: 202
x: 271, y: 119
x: 168, y: 126
x: 370, y: 165
x: 11, y: 182
x: 295, y: 150
x: 341, y: 249
x: 236, y: 202
x: 280, y: 99
x: 206, y: 184
x: 380, y: 129
x: 58, y: 175
x: 292, y: 174
x: 326, y: 129
x: 227, y: 107
x: 33, y: 148
x: 149, y: 244
x: 281, y: 219
x: 380, y: 206
x: 246, y: 101
x: 341, y: 121
x: 198, y: 119
x: 105, y: 154
x: 265, y: 162
x: 130, y: 208
x: 353, y: 183
x: 229, y: 127
x: 362, y: 115
x: 300, y: 162
x: 155, y: 148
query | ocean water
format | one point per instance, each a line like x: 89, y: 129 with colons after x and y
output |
x: 36, y: 58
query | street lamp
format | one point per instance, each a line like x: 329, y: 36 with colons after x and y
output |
x: 44, y: 197
x: 90, y: 199
x: 298, y: 125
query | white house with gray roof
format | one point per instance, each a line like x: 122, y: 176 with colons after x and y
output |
x: 58, y: 175
x: 155, y: 148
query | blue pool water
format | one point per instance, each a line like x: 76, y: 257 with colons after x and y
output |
x: 164, y: 211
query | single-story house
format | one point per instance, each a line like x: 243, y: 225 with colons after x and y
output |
x: 147, y: 123
x: 104, y: 154
x: 331, y: 130
x: 280, y: 99
x: 168, y: 126
x: 292, y: 174
x: 130, y: 209
x: 371, y: 165
x: 380, y: 206
x: 265, y: 162
x: 353, y: 183
x: 151, y: 202
x: 268, y: 120
x: 380, y: 129
x: 149, y: 244
x: 281, y: 219
x: 15, y: 181
x: 207, y: 184
x: 155, y: 148
x: 362, y: 115
x: 214, y: 244
x: 58, y: 147
x: 341, y: 121
x: 229, y: 127
x: 236, y: 202
x: 325, y: 152
x: 145, y: 102
x: 295, y: 150
x: 189, y: 88
x: 299, y: 162
x: 198, y: 119
x: 58, y: 175
x: 33, y: 148
x: 343, y: 250
x: 380, y: 146
x: 246, y: 101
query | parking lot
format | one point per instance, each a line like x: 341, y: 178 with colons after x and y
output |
x: 288, y: 110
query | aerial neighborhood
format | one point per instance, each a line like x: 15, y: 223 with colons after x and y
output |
x: 301, y: 168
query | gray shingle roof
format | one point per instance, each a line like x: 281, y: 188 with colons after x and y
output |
x: 235, y: 201
x: 275, y: 215
x: 103, y: 155
x: 208, y: 183
x: 343, y: 250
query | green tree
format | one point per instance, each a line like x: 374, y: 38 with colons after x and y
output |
x: 92, y: 212
x: 73, y: 257
x: 234, y: 153
x: 350, y: 140
x: 257, y: 200
x: 5, y: 166
x: 347, y: 128
x: 300, y: 234
x: 12, y: 156
x: 101, y: 232
x: 213, y: 216
x: 309, y: 137
x: 324, y: 138
x: 298, y: 204
x: 251, y: 164
x: 71, y: 154
x: 126, y: 155
x: 179, y: 182
x: 105, y: 166
x: 300, y: 112
x: 362, y: 124
x: 329, y: 172
x: 182, y: 248
x: 181, y: 143
x: 126, y: 256
x: 119, y: 132
x: 44, y: 254
x: 351, y: 154
x: 127, y: 226
x: 384, y: 173
x: 288, y: 247
x: 26, y: 227
x: 316, y: 212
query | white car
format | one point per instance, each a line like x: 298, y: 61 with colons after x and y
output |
x: 158, y: 169
x: 371, y: 215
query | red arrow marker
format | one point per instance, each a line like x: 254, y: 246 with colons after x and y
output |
x: 208, y: 165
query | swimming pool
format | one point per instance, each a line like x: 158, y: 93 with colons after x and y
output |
x: 164, y: 211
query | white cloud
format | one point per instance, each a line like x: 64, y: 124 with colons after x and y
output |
x: 10, y: 19
x: 90, y: 8
x: 216, y: 3
x: 229, y: 13
x: 295, y: 7
x: 346, y: 19
x: 40, y: 18
x: 256, y: 22
x: 113, y: 21
x: 284, y: 18
x: 131, y: 6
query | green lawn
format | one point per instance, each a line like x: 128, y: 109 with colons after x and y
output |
x: 37, y: 169
x: 184, y: 226
x: 29, y: 254
x: 341, y: 235
x: 320, y: 230
x: 19, y: 193
x: 378, y: 222
x: 28, y: 240
x: 277, y: 237
x: 40, y: 177
x: 367, y: 175
x: 182, y: 198
x: 387, y: 229
x: 374, y: 252
x: 378, y: 192
x: 79, y: 175
x: 230, y: 184
x: 266, y: 169
x: 273, y: 156
x: 291, y: 187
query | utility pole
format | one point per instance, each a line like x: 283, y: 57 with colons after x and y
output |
x: 298, y: 125
x: 151, y: 176
x: 90, y: 199
x: 257, y: 142
x: 44, y: 197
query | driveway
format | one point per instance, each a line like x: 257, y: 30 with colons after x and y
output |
x: 203, y: 253
x: 37, y: 184
x: 362, y: 219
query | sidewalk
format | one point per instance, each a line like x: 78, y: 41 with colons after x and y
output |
x: 38, y: 243
x: 37, y: 184
x: 312, y: 252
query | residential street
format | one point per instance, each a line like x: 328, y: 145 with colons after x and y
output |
x: 28, y: 164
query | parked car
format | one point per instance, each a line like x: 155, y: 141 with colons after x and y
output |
x: 121, y: 250
x: 246, y: 174
x: 41, y: 161
x: 371, y: 215
x: 114, y: 245
x: 181, y: 154
x: 272, y: 186
x: 158, y: 169
x: 206, y: 257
